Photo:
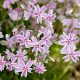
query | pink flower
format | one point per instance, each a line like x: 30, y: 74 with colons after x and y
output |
x: 7, y: 3
x: 10, y: 65
x: 29, y: 12
x: 21, y: 55
x: 23, y: 38
x: 39, y: 68
x: 47, y: 35
x: 51, y: 5
x: 38, y: 13
x: 75, y: 23
x: 68, y: 40
x: 10, y: 41
x: 71, y: 54
x: 50, y: 16
x: 10, y: 55
x: 37, y: 45
x: 15, y: 14
x: 2, y: 63
x: 33, y: 2
x: 23, y: 68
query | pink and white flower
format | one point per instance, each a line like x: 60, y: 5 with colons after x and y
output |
x: 23, y: 68
x: 38, y: 13
x: 39, y: 68
x: 2, y: 63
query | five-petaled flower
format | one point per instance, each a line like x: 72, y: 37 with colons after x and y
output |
x: 68, y: 40
x: 23, y: 68
x: 39, y: 68
x: 71, y: 54
x: 39, y: 12
x: 2, y: 63
x: 21, y: 55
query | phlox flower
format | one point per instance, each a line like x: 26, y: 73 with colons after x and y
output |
x: 39, y: 68
x: 37, y: 45
x: 7, y: 3
x: 28, y: 13
x: 23, y: 68
x: 33, y: 2
x: 23, y: 38
x: 21, y: 55
x: 2, y: 63
x: 75, y: 23
x: 51, y: 5
x: 10, y: 65
x: 46, y: 38
x: 10, y: 55
x: 15, y: 14
x: 10, y: 41
x: 38, y: 13
x: 71, y: 54
x: 50, y: 16
x: 68, y: 40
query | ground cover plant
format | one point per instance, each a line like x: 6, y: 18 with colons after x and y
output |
x: 39, y: 39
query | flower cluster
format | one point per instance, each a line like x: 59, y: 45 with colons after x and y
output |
x: 28, y: 48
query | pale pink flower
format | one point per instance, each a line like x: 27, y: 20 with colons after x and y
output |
x: 37, y: 45
x: 28, y: 13
x: 39, y: 68
x: 50, y: 16
x: 10, y: 55
x: 21, y: 55
x: 23, y: 68
x: 10, y: 41
x: 15, y: 14
x: 51, y: 5
x: 75, y: 23
x: 7, y: 3
x: 2, y: 63
x: 10, y: 65
x: 47, y: 38
x: 68, y: 40
x: 71, y: 54
x: 23, y: 38
x: 33, y: 2
x: 38, y: 13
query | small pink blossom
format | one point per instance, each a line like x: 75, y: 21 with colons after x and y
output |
x: 23, y: 68
x: 71, y: 54
x: 10, y: 41
x: 10, y: 65
x: 51, y: 5
x: 75, y: 23
x: 38, y: 13
x: 68, y: 40
x: 23, y: 38
x: 37, y: 45
x: 50, y: 16
x: 21, y: 55
x: 15, y: 14
x: 7, y: 3
x: 10, y: 55
x: 2, y: 63
x: 33, y: 2
x: 39, y: 68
